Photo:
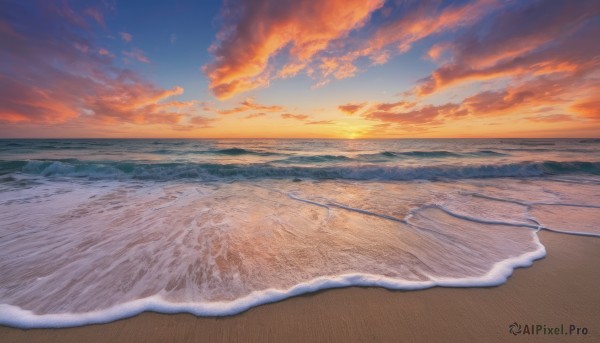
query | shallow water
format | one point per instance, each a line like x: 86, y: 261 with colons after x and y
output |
x: 216, y: 227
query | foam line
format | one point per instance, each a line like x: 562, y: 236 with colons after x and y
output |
x: 475, y: 220
x: 498, y: 274
x: 529, y: 204
x: 348, y: 208
x: 575, y: 233
x: 369, y: 213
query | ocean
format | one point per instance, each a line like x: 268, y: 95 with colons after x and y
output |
x: 94, y: 230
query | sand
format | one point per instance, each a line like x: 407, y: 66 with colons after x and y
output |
x: 562, y: 288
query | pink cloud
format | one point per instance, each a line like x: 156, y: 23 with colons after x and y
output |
x: 136, y: 54
x: 125, y: 36
x: 96, y: 15
x: 68, y: 83
x: 104, y: 52
x: 537, y: 39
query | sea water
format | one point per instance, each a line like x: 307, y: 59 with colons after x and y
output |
x: 94, y: 230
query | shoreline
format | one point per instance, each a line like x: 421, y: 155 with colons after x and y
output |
x: 561, y: 288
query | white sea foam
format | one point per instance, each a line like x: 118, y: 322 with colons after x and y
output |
x: 75, y: 252
x: 17, y: 317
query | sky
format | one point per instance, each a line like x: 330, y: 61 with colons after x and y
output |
x: 299, y: 69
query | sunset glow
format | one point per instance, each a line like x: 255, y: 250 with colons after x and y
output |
x: 322, y: 69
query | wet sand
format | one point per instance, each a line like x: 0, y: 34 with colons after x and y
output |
x: 562, y: 288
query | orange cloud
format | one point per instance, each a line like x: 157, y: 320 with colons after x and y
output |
x: 294, y: 116
x: 351, y: 108
x: 200, y: 121
x: 249, y: 105
x: 390, y: 106
x: 321, y: 122
x: 315, y: 36
x: 552, y: 118
x: 428, y: 114
x: 589, y: 108
x: 548, y: 93
x: 264, y: 28
x: 137, y: 103
x: 255, y: 115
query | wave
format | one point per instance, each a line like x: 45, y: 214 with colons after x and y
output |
x: 226, y: 152
x: 417, y: 154
x: 315, y: 159
x: 428, y: 154
x: 213, y: 172
x: 535, y: 143
x: 239, y: 151
x: 431, y: 154
x: 489, y: 153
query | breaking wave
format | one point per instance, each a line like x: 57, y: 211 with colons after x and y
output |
x: 209, y: 171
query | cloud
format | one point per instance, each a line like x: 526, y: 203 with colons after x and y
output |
x: 552, y: 118
x: 589, y: 108
x: 390, y: 106
x: 321, y: 122
x: 535, y: 38
x: 137, y: 103
x: 544, y: 93
x: 266, y: 39
x: 202, y: 122
x: 294, y: 116
x: 426, y: 115
x: 351, y: 108
x: 72, y: 79
x: 542, y: 53
x: 126, y: 37
x: 104, y: 52
x: 96, y: 15
x: 255, y: 115
x: 410, y: 21
x: 136, y: 54
x: 249, y: 105
x: 255, y: 32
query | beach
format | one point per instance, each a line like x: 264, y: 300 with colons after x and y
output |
x: 292, y: 171
x: 562, y: 288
